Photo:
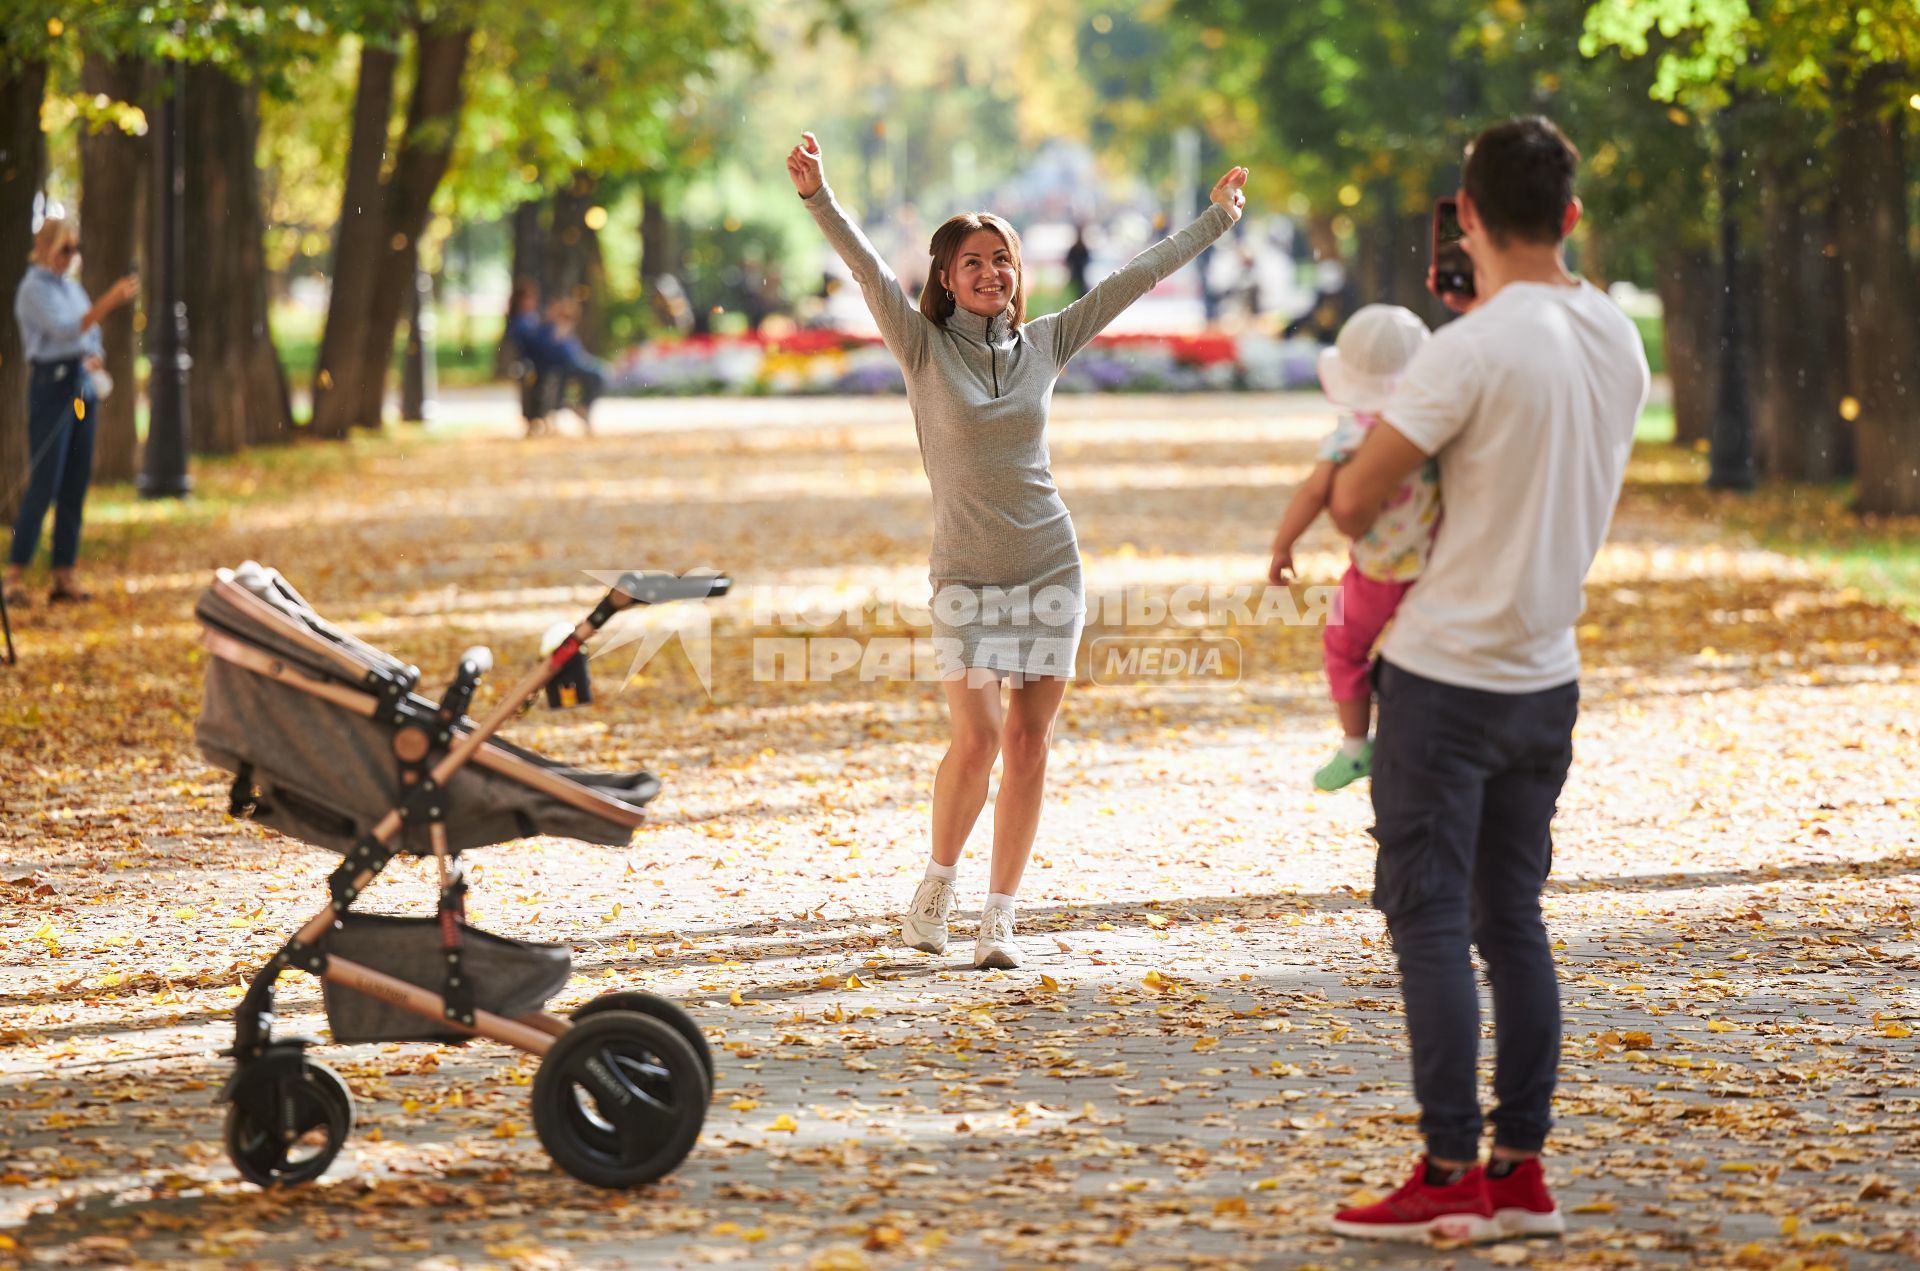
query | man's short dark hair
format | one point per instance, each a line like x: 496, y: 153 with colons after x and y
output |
x: 1519, y: 175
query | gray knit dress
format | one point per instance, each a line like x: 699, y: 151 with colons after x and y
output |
x: 1005, y: 568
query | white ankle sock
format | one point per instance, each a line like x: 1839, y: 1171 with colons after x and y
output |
x: 946, y: 873
x: 1000, y: 900
x: 1353, y: 747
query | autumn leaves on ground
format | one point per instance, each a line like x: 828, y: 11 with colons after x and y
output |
x: 1204, y: 1053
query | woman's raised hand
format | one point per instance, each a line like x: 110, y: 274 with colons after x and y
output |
x: 804, y: 166
x: 123, y: 291
x: 1230, y: 192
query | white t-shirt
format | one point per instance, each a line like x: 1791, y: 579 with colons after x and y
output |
x: 1529, y: 403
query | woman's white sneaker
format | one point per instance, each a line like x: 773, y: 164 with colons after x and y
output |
x: 995, y: 948
x: 925, y: 925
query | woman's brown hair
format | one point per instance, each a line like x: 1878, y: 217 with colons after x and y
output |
x: 936, y: 302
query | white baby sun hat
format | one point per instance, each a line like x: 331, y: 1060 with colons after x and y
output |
x: 1374, y: 347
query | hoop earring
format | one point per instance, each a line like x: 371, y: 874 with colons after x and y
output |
x: 949, y: 295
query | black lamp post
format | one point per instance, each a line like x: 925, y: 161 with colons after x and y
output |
x: 165, y: 467
x: 1730, y: 463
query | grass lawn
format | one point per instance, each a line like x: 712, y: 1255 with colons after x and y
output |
x: 223, y: 484
x: 463, y: 348
x: 1878, y: 556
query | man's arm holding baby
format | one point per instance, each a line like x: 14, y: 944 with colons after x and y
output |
x: 1362, y: 486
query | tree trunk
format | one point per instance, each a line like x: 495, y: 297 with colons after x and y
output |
x: 433, y: 122
x: 1832, y: 282
x: 661, y: 249
x: 23, y: 153
x: 529, y: 251
x: 1689, y: 302
x: 419, y: 378
x: 656, y: 249
x: 1798, y: 431
x: 113, y: 166
x: 1396, y: 246
x: 1878, y: 294
x: 575, y: 268
x: 357, y: 250
x: 238, y: 393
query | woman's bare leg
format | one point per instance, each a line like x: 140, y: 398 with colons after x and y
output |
x: 960, y: 784
x: 1031, y: 710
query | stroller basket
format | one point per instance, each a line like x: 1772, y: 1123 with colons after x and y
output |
x: 509, y: 978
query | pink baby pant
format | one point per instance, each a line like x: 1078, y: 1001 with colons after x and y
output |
x: 1366, y: 605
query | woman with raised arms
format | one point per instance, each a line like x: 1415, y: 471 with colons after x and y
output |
x: 1008, y: 602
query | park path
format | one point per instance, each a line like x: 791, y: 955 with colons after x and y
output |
x: 1204, y: 1054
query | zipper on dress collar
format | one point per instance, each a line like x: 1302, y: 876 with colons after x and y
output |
x: 986, y: 338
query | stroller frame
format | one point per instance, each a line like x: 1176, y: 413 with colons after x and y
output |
x: 628, y: 1089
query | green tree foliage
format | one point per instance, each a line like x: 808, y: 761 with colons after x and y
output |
x: 1806, y: 49
x: 606, y: 86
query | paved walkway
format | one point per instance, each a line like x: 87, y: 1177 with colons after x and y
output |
x: 1204, y: 1054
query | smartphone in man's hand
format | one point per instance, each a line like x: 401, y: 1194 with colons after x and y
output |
x: 1452, y: 267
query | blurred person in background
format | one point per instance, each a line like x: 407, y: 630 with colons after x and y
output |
x: 60, y: 337
x: 1079, y: 256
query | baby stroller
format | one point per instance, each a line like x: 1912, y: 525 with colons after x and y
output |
x: 328, y: 742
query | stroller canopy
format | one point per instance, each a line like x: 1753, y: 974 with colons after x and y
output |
x: 307, y: 714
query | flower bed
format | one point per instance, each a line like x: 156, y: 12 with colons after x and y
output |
x: 829, y: 361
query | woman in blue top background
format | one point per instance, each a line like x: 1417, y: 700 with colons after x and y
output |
x: 60, y: 335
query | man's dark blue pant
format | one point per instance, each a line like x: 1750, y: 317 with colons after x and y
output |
x: 60, y: 426
x: 1464, y: 787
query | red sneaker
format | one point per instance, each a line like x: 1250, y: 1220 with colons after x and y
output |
x: 1418, y: 1211
x: 1522, y: 1205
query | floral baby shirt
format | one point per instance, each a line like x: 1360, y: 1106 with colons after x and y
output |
x: 1395, y: 549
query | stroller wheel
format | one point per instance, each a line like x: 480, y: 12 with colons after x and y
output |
x: 287, y: 1118
x: 670, y: 1013
x: 619, y: 1099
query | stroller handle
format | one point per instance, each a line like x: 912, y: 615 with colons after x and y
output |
x: 647, y: 588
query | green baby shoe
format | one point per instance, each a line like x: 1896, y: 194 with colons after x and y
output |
x: 1343, y: 770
